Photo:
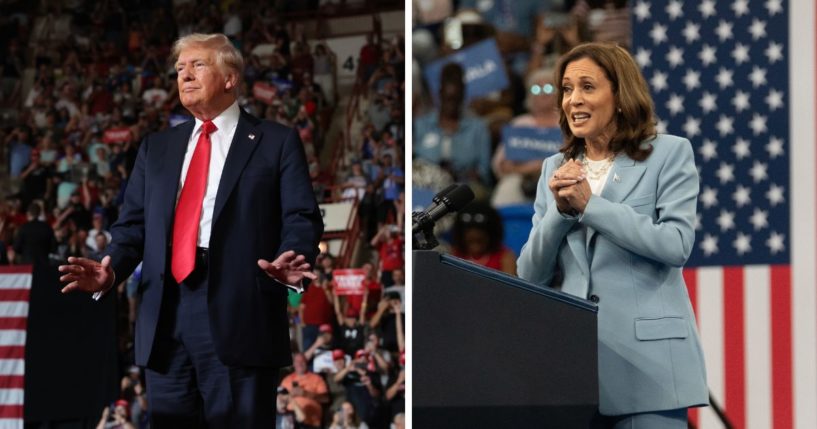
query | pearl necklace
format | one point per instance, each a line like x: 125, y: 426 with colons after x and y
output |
x: 597, y: 169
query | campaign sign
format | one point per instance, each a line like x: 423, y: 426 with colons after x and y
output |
x: 282, y: 84
x: 116, y: 135
x: 483, y: 66
x: 264, y: 92
x: 176, y: 119
x: 421, y: 198
x: 527, y: 143
x: 349, y: 281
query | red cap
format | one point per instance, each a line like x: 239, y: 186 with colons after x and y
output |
x: 361, y: 353
x: 325, y: 328
x: 338, y: 354
x: 124, y: 404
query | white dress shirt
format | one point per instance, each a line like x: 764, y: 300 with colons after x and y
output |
x: 220, y: 141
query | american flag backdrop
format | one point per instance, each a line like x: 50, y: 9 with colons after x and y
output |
x: 737, y: 78
x: 15, y: 285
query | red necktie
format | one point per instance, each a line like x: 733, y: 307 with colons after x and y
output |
x: 188, y: 211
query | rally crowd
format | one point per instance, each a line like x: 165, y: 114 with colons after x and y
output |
x: 461, y: 138
x: 84, y: 83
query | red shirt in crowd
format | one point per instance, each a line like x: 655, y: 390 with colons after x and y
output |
x: 391, y: 254
x: 317, y: 308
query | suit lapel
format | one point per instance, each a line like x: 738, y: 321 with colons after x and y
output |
x: 171, y: 171
x: 620, y: 182
x: 622, y: 179
x: 244, y: 142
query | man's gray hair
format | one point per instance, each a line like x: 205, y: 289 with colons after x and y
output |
x: 227, y: 56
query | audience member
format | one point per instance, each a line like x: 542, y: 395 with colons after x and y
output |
x: 307, y: 390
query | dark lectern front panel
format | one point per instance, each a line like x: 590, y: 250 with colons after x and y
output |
x: 490, y: 349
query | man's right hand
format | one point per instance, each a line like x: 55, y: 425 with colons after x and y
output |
x: 87, y: 275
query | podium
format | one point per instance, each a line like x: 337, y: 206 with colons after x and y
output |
x: 492, y: 350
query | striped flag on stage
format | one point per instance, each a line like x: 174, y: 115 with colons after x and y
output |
x: 15, y: 285
x: 737, y: 78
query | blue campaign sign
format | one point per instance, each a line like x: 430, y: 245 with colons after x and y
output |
x: 483, y: 67
x: 176, y: 119
x: 421, y: 198
x: 526, y: 143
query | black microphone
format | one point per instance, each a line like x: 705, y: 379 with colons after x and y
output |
x: 447, y: 201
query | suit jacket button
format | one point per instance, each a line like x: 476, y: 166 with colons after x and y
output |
x: 162, y: 276
x: 594, y: 298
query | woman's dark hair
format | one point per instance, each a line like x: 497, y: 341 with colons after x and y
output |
x: 480, y: 215
x: 635, y: 113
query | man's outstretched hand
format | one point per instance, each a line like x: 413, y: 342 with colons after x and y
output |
x: 87, y: 275
x: 289, y: 268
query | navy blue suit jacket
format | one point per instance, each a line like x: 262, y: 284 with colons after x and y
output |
x: 264, y: 207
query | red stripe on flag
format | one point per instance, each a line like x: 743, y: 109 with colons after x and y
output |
x: 16, y: 269
x: 691, y: 280
x: 12, y: 352
x: 13, y: 322
x: 11, y: 411
x: 14, y: 294
x: 782, y: 400
x: 12, y: 382
x: 734, y: 346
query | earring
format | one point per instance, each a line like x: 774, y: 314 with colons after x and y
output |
x: 619, y: 110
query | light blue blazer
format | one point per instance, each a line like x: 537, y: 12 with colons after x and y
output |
x: 626, y: 252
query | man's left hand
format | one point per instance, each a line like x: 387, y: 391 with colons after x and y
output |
x: 289, y: 268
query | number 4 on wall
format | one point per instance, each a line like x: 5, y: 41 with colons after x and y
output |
x: 349, y: 64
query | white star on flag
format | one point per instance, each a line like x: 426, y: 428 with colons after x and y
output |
x: 758, y: 124
x: 658, y: 33
x: 708, y: 102
x: 774, y: 147
x: 726, y: 220
x: 740, y: 100
x: 642, y: 57
x: 775, y: 195
x: 692, y: 32
x: 674, y: 9
x: 741, y: 7
x: 774, y: 100
x: 759, y: 219
x: 641, y: 11
x: 675, y: 56
x: 709, y: 244
x: 742, y: 195
x: 724, y: 125
x: 758, y: 172
x: 707, y: 55
x: 726, y: 173
x: 740, y: 53
x: 757, y: 29
x: 743, y: 243
x: 724, y: 78
x: 741, y: 148
x: 692, y: 79
x: 708, y: 150
x: 675, y: 104
x: 758, y: 76
x: 709, y: 197
x: 724, y: 30
x: 775, y: 242
x: 774, y: 52
x: 707, y: 8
